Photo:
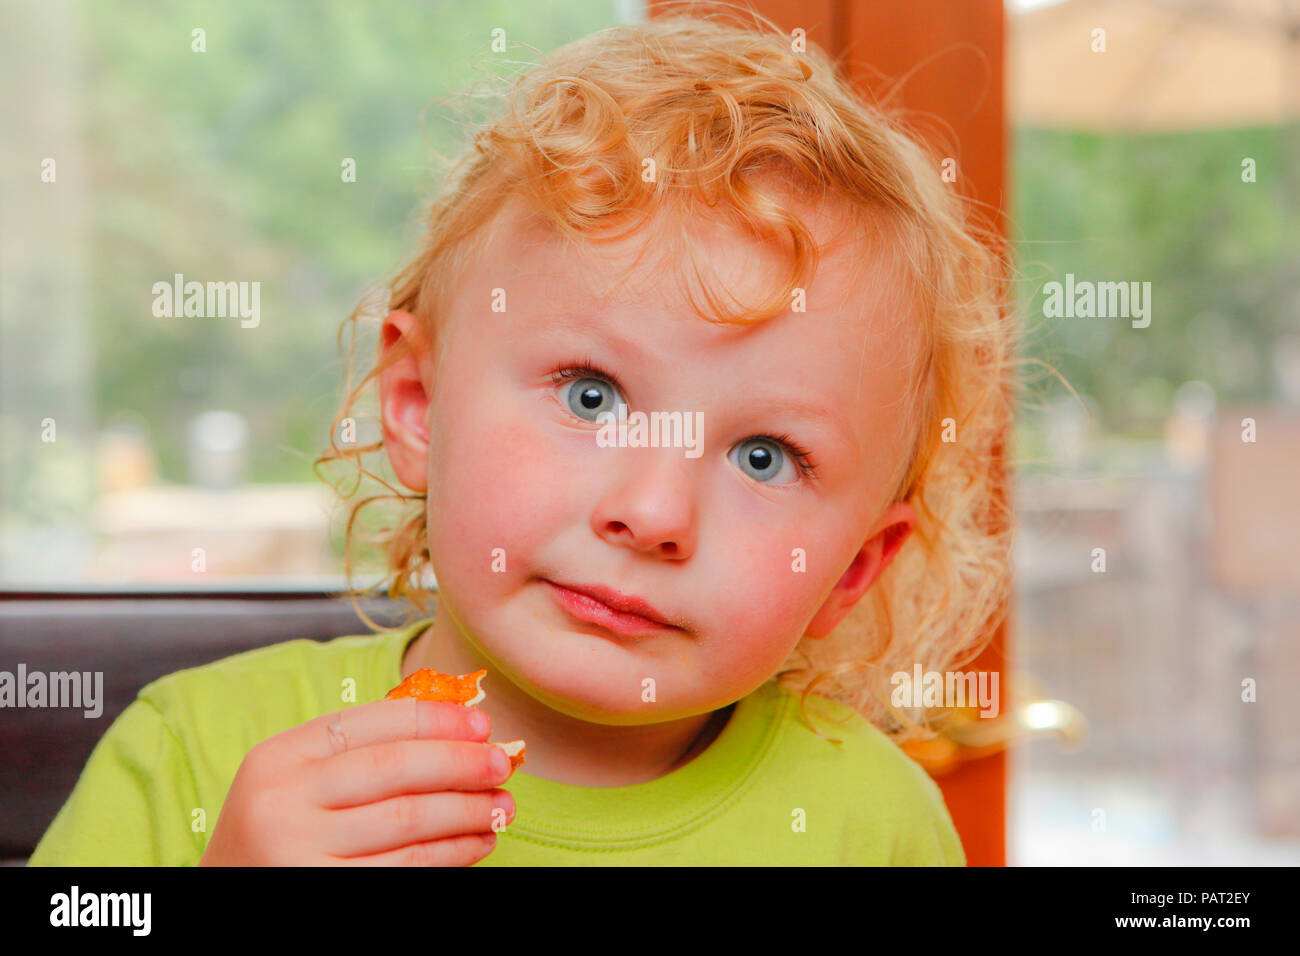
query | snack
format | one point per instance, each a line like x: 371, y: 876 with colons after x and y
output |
x: 428, y: 684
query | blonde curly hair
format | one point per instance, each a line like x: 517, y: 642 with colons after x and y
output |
x: 718, y: 108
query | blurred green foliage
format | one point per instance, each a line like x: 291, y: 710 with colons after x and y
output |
x: 1172, y: 209
x: 226, y: 165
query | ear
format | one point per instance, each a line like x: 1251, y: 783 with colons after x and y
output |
x: 403, y: 401
x: 888, y: 535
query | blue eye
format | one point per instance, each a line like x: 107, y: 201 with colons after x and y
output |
x: 592, y: 392
x: 763, y: 460
x: 589, y: 397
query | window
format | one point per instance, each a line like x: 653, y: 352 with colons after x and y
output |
x: 1155, y: 573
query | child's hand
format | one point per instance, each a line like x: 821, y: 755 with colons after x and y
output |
x: 363, y: 787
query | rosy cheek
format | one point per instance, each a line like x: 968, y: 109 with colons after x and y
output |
x: 766, y: 596
x: 497, y: 486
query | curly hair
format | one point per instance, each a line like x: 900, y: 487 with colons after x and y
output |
x: 714, y: 110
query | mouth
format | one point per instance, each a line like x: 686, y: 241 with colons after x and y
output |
x: 620, y: 613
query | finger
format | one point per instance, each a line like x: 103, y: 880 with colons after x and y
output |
x: 415, y: 818
x: 398, y: 767
x: 455, y: 851
x: 406, y: 719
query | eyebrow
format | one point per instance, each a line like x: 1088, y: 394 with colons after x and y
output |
x: 811, y: 412
x: 806, y: 410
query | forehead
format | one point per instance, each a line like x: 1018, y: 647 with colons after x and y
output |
x: 676, y: 264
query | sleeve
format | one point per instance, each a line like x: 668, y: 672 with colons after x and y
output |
x: 133, y: 803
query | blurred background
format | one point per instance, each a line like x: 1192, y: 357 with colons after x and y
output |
x: 1170, y: 156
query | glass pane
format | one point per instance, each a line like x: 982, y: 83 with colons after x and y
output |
x: 273, y: 154
x: 1158, y: 591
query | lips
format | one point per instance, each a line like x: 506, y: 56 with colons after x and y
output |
x: 607, y: 607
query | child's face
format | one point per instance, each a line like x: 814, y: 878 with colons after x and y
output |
x: 730, y: 541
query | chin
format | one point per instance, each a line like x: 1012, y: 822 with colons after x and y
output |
x: 578, y: 692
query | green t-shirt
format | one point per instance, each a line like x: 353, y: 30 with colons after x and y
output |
x: 766, y: 791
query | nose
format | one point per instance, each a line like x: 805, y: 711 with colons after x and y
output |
x: 651, y: 508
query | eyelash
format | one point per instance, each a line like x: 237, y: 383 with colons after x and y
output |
x: 587, y: 368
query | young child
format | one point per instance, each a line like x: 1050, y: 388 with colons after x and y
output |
x: 688, y: 224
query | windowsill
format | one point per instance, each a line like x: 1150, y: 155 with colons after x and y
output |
x: 226, y: 586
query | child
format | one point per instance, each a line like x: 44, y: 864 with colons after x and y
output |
x: 799, y: 344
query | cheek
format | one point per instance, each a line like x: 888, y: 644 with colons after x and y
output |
x: 491, y: 487
x: 767, y: 597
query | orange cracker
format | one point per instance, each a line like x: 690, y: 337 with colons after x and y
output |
x: 466, y: 690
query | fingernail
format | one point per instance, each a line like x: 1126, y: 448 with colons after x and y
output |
x: 507, y: 803
x: 500, y: 762
x: 478, y: 720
